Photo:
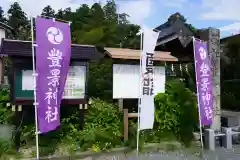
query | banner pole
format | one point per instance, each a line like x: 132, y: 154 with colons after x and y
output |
x: 140, y: 90
x: 199, y: 114
x: 35, y: 96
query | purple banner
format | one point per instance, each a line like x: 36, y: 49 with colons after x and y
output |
x: 203, y: 81
x: 53, y: 52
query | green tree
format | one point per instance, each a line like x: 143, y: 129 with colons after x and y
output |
x: 19, y: 21
x: 97, y: 16
x: 110, y: 10
x: 232, y: 52
x: 92, y: 30
x: 110, y: 38
x: 127, y: 36
x: 79, y: 19
x: 68, y: 14
x: 60, y: 14
x: 48, y: 11
x: 65, y: 14
x: 2, y: 17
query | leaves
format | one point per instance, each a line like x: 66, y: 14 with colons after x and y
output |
x: 5, y: 113
x: 97, y: 25
x: 18, y: 20
x: 49, y: 12
x: 102, y: 129
x: 7, y: 151
x: 176, y: 111
x: 2, y: 16
x: 230, y: 74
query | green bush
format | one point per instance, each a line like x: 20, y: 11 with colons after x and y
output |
x: 100, y: 79
x: 146, y: 136
x: 103, y: 126
x: 5, y: 112
x: 102, y: 129
x: 176, y: 116
x: 7, y: 150
x: 176, y: 112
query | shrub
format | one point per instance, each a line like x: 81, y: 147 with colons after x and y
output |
x: 100, y: 79
x: 7, y: 150
x: 176, y: 111
x: 102, y: 129
x: 103, y: 126
x: 5, y: 112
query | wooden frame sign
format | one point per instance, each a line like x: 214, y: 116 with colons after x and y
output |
x: 75, y: 88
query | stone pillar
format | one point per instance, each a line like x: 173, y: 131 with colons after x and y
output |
x: 227, y: 139
x: 209, y: 139
x: 212, y: 35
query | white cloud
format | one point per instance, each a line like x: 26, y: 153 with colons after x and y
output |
x: 138, y: 10
x: 175, y: 3
x: 221, y: 10
x: 235, y: 27
x: 34, y: 7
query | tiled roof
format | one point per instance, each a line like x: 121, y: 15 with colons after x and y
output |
x: 169, y: 29
x: 123, y: 53
x: 24, y: 49
x: 5, y: 26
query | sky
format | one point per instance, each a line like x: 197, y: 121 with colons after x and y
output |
x: 222, y: 14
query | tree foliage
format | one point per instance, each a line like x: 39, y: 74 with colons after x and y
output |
x: 232, y: 51
x: 98, y: 25
x: 48, y: 11
x: 2, y: 16
x: 19, y: 21
x: 230, y: 74
x: 176, y: 111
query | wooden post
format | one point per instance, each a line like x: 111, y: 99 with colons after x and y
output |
x: 120, y: 104
x: 125, y: 121
x: 17, y: 122
x: 81, y: 115
x: 212, y: 35
x: 1, y: 70
x: 2, y: 35
x: 82, y: 110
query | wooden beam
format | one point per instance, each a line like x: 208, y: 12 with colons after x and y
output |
x: 132, y: 115
x: 81, y: 115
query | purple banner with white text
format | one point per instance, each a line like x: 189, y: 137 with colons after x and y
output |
x: 53, y: 52
x: 203, y: 81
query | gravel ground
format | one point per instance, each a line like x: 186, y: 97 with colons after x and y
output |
x: 186, y: 154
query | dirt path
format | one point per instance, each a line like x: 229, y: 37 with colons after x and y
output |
x: 188, y: 154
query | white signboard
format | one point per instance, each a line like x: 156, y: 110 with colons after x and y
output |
x: 126, y: 82
x: 27, y: 80
x: 75, y: 83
